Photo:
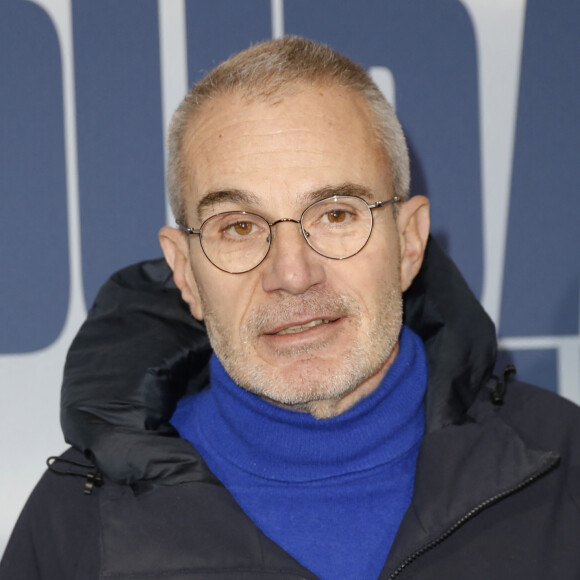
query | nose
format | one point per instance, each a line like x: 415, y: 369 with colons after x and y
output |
x: 291, y: 266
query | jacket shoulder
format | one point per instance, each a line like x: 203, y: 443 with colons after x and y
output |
x: 547, y: 420
x: 57, y: 533
x: 543, y: 416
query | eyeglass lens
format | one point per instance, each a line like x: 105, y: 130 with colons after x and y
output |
x: 337, y: 227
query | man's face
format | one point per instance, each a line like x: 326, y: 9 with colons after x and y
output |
x: 300, y: 327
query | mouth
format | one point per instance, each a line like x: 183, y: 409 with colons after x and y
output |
x: 302, y: 327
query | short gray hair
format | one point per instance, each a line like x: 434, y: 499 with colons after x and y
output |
x: 273, y: 69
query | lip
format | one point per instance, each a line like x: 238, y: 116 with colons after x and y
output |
x: 301, y: 322
x: 316, y: 337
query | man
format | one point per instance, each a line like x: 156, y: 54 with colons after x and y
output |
x: 328, y: 440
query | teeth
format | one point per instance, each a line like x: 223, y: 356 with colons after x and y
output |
x: 302, y: 327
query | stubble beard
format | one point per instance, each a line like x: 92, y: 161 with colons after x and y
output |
x: 303, y: 379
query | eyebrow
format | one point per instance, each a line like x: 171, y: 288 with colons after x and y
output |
x: 246, y: 198
x: 344, y: 189
x: 238, y: 196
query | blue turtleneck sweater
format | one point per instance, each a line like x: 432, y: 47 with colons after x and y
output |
x: 331, y: 492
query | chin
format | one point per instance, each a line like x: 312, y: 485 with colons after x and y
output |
x: 304, y: 382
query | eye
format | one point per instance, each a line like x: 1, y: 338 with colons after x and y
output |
x: 336, y: 216
x: 240, y: 228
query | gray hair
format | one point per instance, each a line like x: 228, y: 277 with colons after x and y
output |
x: 273, y: 69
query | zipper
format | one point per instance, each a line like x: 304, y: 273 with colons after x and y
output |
x: 469, y: 515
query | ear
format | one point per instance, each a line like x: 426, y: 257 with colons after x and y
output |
x: 413, y: 223
x: 175, y: 248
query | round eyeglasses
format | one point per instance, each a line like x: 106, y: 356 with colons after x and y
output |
x: 337, y: 227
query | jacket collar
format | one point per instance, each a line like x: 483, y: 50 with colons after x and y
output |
x: 458, y: 335
x: 449, y: 487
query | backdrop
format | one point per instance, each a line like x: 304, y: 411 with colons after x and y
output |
x: 487, y: 92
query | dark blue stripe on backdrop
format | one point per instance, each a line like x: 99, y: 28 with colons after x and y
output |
x: 34, y: 264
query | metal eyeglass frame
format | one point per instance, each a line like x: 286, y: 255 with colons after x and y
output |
x: 377, y: 205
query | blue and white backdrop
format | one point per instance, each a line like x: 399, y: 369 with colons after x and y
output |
x: 487, y: 91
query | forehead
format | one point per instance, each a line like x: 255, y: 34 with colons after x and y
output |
x: 279, y: 151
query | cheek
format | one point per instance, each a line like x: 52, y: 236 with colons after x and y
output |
x: 373, y: 272
x: 225, y: 297
x: 378, y: 262
x: 387, y: 262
